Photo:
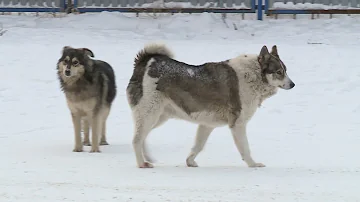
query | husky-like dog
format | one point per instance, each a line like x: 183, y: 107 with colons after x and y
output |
x: 90, y: 88
x: 212, y: 94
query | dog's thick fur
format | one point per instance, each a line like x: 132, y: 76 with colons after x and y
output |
x: 211, y: 95
x: 90, y: 88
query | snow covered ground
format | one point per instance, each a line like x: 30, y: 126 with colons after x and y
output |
x: 308, y: 137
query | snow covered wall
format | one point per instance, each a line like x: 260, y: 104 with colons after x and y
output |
x: 239, y: 4
x: 187, y: 6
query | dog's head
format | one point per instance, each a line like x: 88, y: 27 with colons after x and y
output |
x: 273, y: 69
x: 73, y: 62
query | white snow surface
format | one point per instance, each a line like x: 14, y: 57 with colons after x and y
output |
x: 308, y: 137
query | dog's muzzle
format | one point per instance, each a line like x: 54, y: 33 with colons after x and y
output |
x: 288, y: 84
x: 67, y: 72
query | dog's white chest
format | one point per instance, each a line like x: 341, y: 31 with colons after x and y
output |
x: 83, y: 107
x: 249, y: 108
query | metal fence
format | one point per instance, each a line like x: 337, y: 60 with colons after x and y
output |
x: 312, y: 7
x: 32, y: 5
x: 269, y: 7
x: 173, y: 6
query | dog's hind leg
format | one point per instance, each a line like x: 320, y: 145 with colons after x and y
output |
x: 96, y: 125
x: 242, y: 144
x: 146, y: 153
x: 145, y: 118
x: 105, y: 115
x: 163, y: 118
x: 202, y: 136
x: 76, y: 119
x: 103, y: 134
x: 86, y: 127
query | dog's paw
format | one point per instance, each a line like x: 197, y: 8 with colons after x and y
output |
x: 95, y: 150
x: 78, y: 149
x: 86, y: 143
x: 146, y: 165
x: 104, y: 143
x: 190, y: 163
x: 254, y: 165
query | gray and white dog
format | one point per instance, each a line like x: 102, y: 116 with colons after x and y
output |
x: 212, y: 94
x: 90, y: 88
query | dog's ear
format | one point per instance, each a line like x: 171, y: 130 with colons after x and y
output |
x: 263, y: 57
x: 88, y: 52
x: 65, y: 48
x: 274, y: 51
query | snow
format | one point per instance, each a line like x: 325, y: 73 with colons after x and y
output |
x: 308, y: 137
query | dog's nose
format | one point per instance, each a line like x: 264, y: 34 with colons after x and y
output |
x: 67, y: 72
x: 292, y: 85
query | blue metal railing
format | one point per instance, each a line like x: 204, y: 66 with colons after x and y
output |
x: 256, y: 6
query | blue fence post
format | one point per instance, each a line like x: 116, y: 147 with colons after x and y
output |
x: 259, y: 9
x: 253, y: 5
x: 75, y: 4
x: 63, y: 5
x: 266, y: 6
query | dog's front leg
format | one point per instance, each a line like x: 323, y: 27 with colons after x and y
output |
x: 86, y: 128
x: 242, y: 144
x: 76, y: 119
x: 95, y: 130
x: 202, y: 136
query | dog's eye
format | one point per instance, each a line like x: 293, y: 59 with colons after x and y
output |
x: 75, y: 63
x: 279, y: 72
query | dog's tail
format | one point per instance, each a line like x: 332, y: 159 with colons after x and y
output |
x: 151, y: 50
x: 134, y: 88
